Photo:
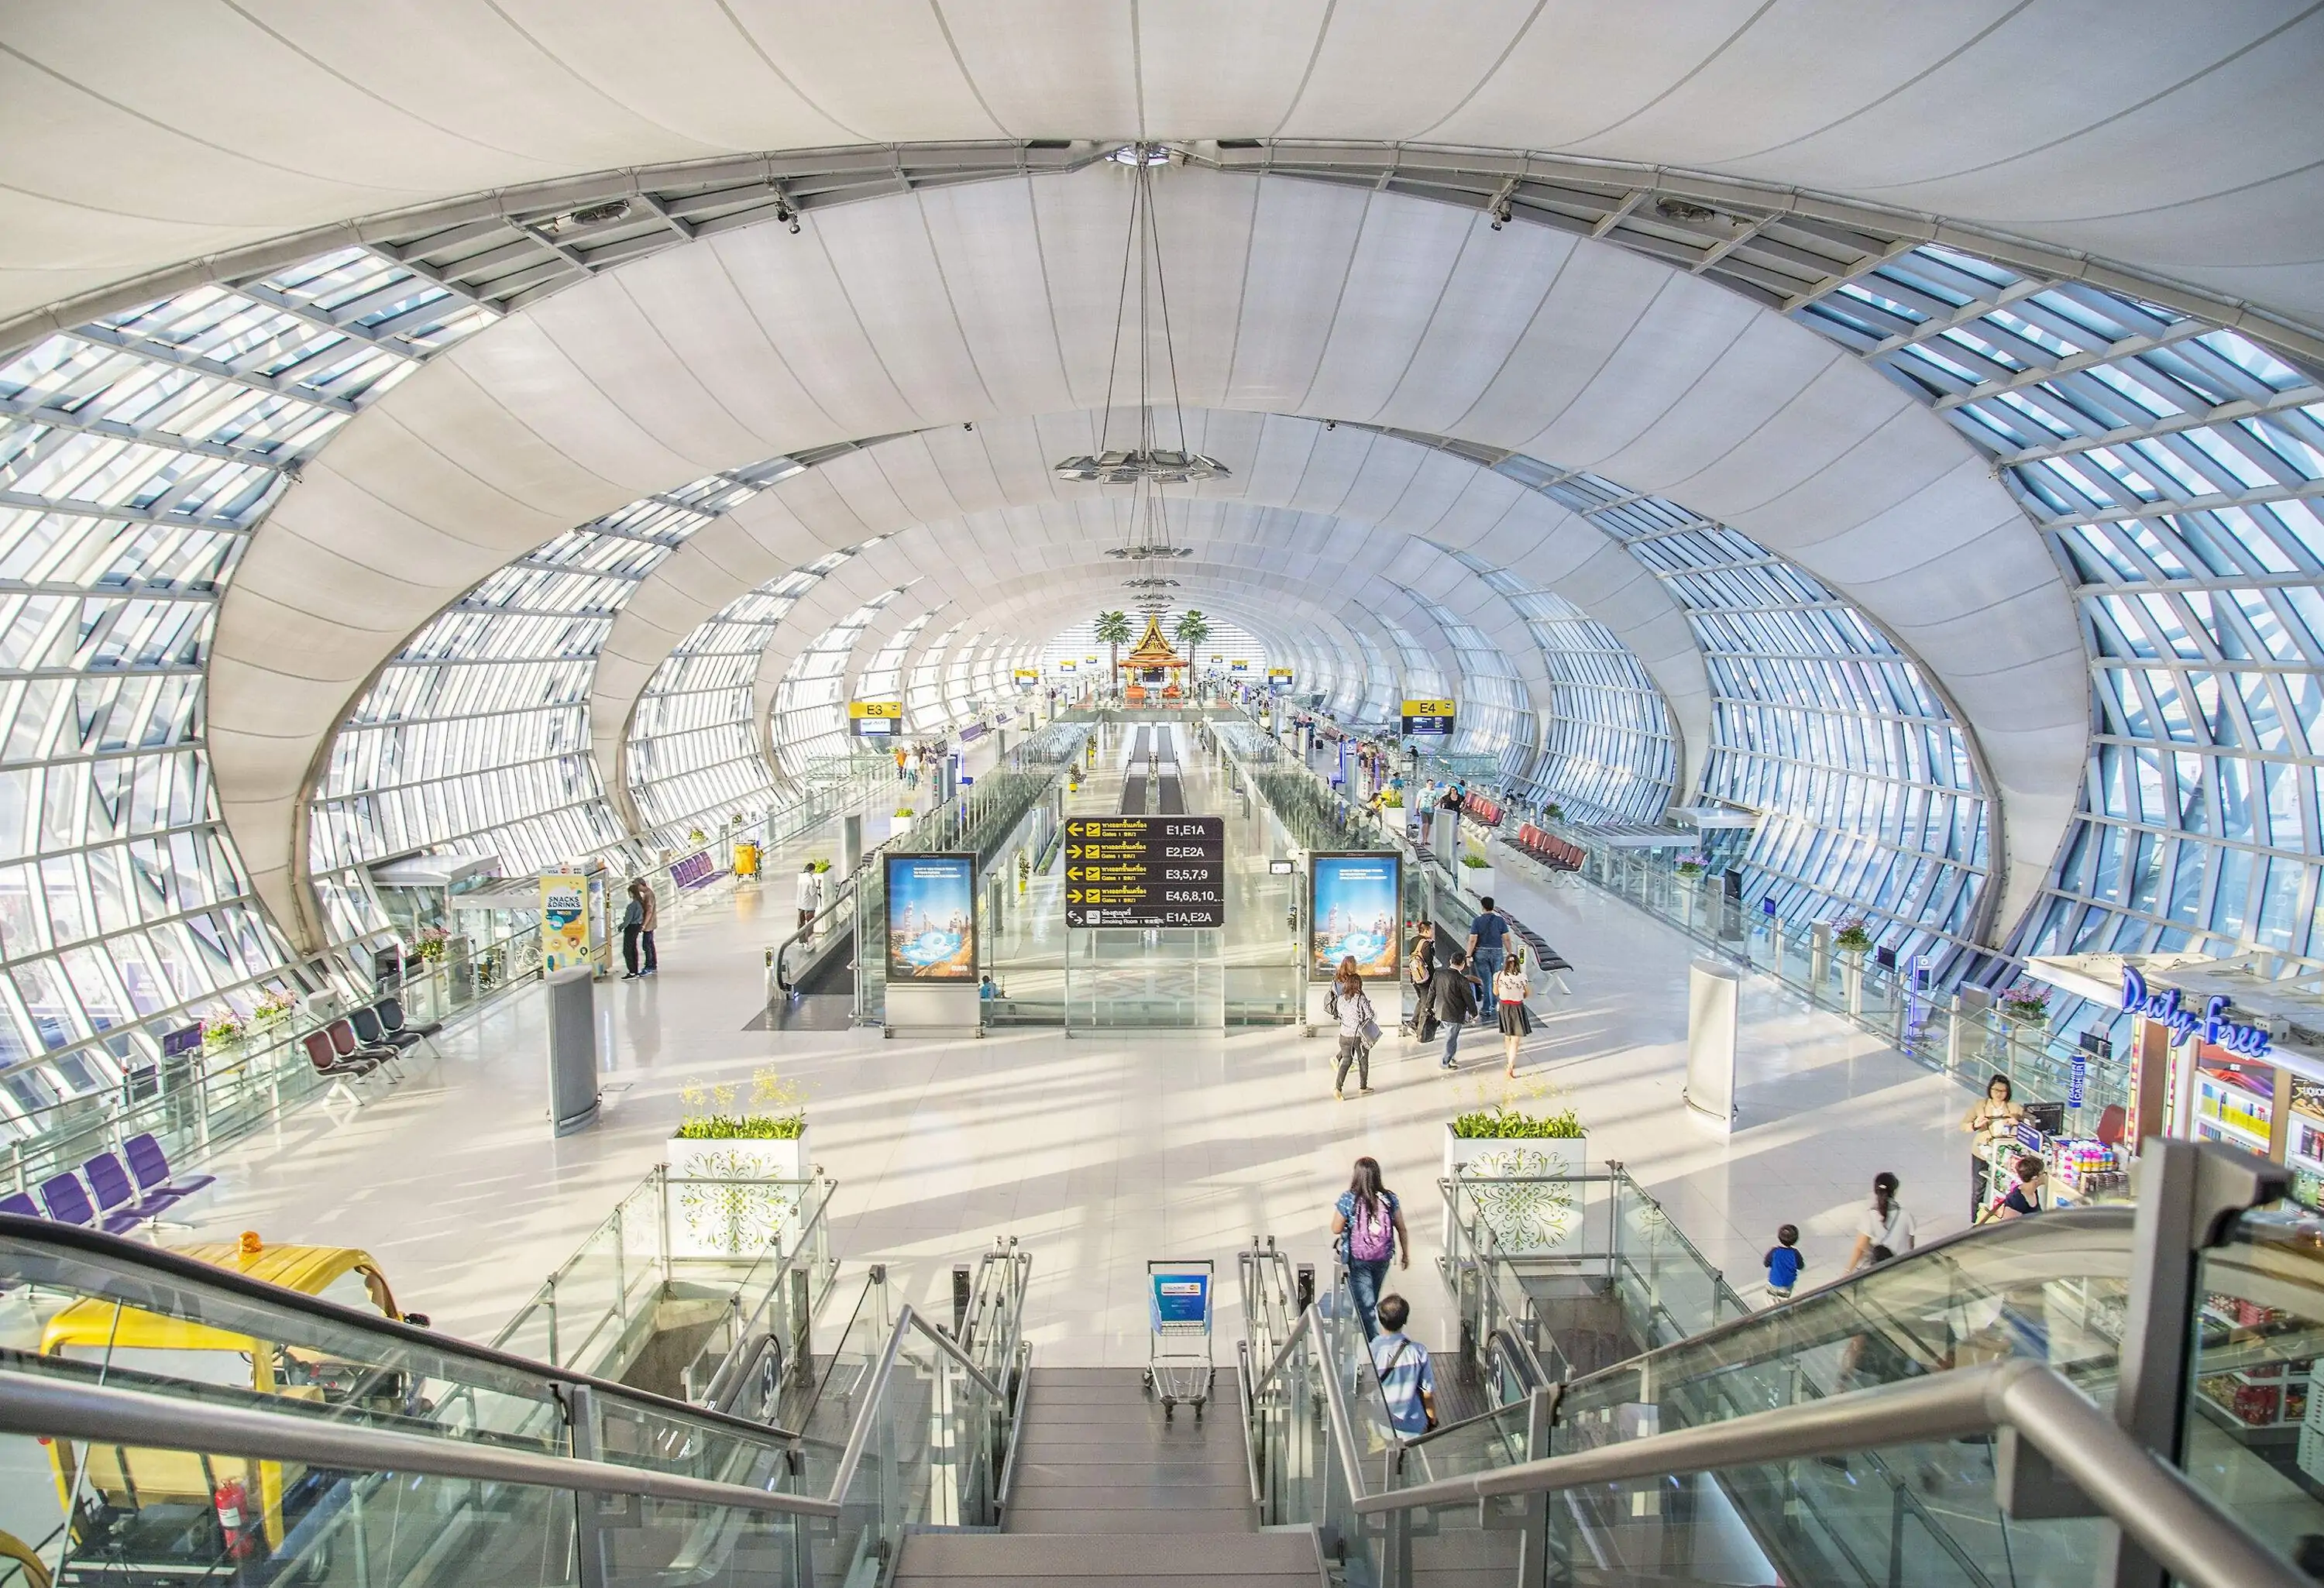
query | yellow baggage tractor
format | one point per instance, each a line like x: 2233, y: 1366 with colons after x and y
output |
x: 157, y: 1505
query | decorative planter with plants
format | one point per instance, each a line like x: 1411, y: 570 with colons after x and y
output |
x: 1501, y: 1141
x: 733, y: 1165
x: 2026, y: 1007
x: 273, y: 1007
x: 1690, y: 865
x: 223, y: 1033
x: 1475, y: 873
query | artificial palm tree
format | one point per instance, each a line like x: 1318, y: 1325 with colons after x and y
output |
x: 1113, y: 628
x: 1192, y: 629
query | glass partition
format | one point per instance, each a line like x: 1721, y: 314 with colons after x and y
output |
x: 2254, y: 1427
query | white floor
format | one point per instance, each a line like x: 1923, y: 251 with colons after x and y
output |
x: 1097, y: 1154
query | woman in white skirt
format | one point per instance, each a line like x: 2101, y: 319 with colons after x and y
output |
x: 1509, y: 993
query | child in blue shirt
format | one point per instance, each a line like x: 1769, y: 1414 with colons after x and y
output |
x: 1785, y: 1263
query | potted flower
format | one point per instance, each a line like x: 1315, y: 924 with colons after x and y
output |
x: 1854, y: 940
x: 734, y: 1166
x: 2026, y: 1006
x: 222, y: 1033
x: 273, y: 1007
x: 1690, y: 865
x: 1852, y: 936
x: 429, y: 945
x: 1534, y: 1146
x: 1553, y: 811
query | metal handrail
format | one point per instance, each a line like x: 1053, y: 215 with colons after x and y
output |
x: 860, y: 1434
x: 2152, y: 1502
x: 172, y: 1265
x: 845, y: 896
x: 32, y: 1405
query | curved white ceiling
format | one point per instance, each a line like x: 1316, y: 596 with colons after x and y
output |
x: 1330, y: 517
x: 134, y: 136
x: 997, y: 299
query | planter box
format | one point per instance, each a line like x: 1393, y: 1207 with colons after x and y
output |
x: 1525, y: 1220
x: 733, y: 1220
x: 1477, y: 878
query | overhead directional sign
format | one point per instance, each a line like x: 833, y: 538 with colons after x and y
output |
x: 1145, y: 870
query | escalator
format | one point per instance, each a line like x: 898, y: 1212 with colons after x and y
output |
x: 2050, y: 1295
x: 223, y: 1430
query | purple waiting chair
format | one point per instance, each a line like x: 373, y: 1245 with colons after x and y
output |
x: 151, y: 1166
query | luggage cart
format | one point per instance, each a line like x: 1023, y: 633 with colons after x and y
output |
x: 1179, y: 1365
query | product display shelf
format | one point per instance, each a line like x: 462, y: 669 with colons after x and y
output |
x: 2263, y: 1403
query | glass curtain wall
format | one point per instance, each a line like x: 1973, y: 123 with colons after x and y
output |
x: 138, y: 453
x: 2174, y: 468
x: 474, y: 739
x: 692, y: 751
x: 1495, y: 716
x: 810, y: 711
x: 1608, y: 753
x: 1870, y: 802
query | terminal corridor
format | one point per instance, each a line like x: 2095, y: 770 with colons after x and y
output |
x: 1367, y: 792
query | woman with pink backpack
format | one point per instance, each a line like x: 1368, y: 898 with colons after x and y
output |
x: 1368, y: 1224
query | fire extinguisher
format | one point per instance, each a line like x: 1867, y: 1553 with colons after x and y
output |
x: 235, y: 1522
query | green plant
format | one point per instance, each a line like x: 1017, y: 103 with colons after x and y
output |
x: 1853, y: 936
x: 1192, y: 628
x: 776, y: 1111
x: 430, y: 945
x: 1503, y: 1124
x: 271, y: 1006
x: 1112, y: 630
x: 903, y: 813
x: 1690, y: 865
x: 221, y: 1029
x: 1477, y: 861
x: 1554, y: 811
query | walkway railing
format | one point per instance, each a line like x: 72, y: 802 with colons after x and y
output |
x: 604, y: 1295
x: 1950, y: 1032
x: 1620, y: 1247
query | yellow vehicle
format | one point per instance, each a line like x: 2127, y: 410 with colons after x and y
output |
x: 151, y: 1504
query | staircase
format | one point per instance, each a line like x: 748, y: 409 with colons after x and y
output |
x: 1107, y: 1489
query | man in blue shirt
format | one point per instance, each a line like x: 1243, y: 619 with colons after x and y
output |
x: 1407, y: 1380
x: 1488, y: 942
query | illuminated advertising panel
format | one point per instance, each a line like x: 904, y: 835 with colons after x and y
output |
x: 931, y: 918
x: 1354, y: 911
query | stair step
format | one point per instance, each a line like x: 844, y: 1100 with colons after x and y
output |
x: 1180, y: 1560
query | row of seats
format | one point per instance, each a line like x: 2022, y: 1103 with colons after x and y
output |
x: 101, y: 1195
x: 1479, y: 808
x: 355, y: 1045
x: 1554, y: 853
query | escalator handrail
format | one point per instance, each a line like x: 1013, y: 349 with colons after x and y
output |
x: 2099, y: 1216
x: 859, y: 1435
x: 35, y: 1405
x: 160, y: 1261
x: 845, y: 896
x: 2148, y: 1499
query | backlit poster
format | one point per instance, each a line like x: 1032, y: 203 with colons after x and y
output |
x: 564, y: 935
x: 931, y: 918
x: 1354, y: 911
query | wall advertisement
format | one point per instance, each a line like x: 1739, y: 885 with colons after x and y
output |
x: 1354, y: 912
x: 931, y: 918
